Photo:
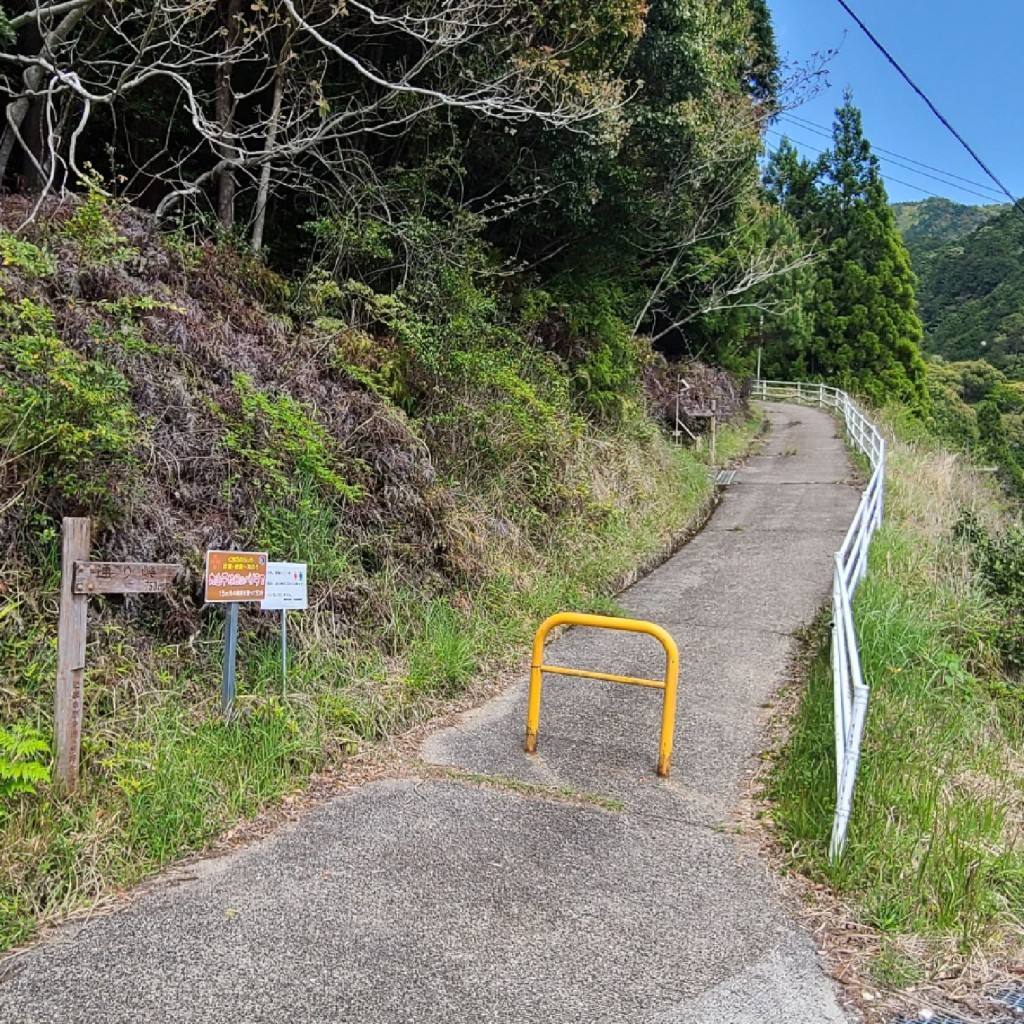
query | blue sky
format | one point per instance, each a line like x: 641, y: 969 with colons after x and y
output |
x: 967, y: 56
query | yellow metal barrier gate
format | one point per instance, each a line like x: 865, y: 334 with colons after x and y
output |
x: 669, y: 684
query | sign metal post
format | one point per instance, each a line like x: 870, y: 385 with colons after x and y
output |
x: 233, y: 576
x: 714, y: 432
x: 284, y: 651
x: 227, y: 688
x: 287, y: 590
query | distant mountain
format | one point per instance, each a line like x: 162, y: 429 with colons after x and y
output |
x: 928, y: 225
x: 971, y: 289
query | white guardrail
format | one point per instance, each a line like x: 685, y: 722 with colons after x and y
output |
x: 851, y: 563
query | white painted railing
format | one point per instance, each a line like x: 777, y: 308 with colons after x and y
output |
x: 851, y: 562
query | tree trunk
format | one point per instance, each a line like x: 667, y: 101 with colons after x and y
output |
x: 263, y: 193
x: 33, y: 79
x: 33, y: 135
x: 224, y: 109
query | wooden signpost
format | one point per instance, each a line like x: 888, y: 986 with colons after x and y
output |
x: 712, y: 418
x: 80, y: 578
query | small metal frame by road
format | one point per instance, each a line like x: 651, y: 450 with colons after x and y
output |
x: 850, y: 692
x: 669, y: 684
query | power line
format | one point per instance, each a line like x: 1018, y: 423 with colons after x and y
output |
x: 815, y: 149
x: 941, y: 176
x: 889, y: 177
x: 931, y: 106
x: 818, y: 129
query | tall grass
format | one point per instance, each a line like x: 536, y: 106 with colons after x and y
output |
x: 935, y: 847
x: 181, y: 778
x: 163, y: 774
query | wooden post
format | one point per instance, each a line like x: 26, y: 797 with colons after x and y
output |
x: 67, y: 711
x: 714, y: 417
x: 679, y: 388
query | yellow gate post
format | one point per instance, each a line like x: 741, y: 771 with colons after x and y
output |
x: 669, y: 684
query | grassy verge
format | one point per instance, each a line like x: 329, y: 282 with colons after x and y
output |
x: 164, y: 775
x: 935, y: 859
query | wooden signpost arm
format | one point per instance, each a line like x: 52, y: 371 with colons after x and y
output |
x: 124, y: 577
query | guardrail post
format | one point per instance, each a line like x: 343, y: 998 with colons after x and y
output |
x: 844, y: 805
x: 881, y: 483
x: 838, y: 711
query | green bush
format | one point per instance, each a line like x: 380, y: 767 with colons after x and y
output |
x: 295, y: 471
x: 606, y: 378
x: 497, y: 409
x: 1000, y: 562
x: 67, y: 421
x: 32, y: 261
x: 91, y: 228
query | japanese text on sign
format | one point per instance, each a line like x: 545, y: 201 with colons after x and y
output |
x: 236, y: 576
x: 286, y: 587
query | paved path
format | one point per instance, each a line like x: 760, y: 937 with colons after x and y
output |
x: 427, y: 901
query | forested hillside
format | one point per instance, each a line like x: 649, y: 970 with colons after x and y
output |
x: 928, y: 225
x: 971, y: 297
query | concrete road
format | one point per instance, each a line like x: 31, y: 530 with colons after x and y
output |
x: 415, y: 900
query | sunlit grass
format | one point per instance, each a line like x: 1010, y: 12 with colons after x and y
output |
x: 935, y: 847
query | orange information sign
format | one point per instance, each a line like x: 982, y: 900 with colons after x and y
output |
x: 236, y: 576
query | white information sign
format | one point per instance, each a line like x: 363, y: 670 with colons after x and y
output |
x: 286, y: 587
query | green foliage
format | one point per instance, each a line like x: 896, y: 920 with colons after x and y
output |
x: 170, y: 782
x: 29, y: 259
x: 606, y: 376
x: 188, y: 254
x: 93, y: 231
x: 994, y: 443
x: 126, y: 313
x: 181, y: 784
x: 932, y: 854
x: 493, y: 407
x: 971, y: 292
x: 866, y: 333
x: 24, y: 761
x: 952, y: 419
x: 999, y: 561
x: 662, y: 199
x: 930, y: 224
x: 290, y: 438
x: 924, y: 855
x: 295, y: 475
x: 66, y: 419
x: 443, y: 657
